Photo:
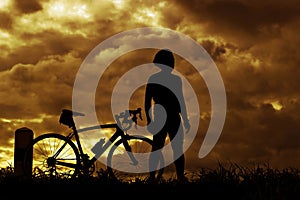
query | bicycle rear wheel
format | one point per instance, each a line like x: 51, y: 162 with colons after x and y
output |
x: 53, y: 156
x: 121, y: 166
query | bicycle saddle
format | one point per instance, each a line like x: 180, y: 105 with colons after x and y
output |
x: 66, y: 117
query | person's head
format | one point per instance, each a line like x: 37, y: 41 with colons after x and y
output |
x: 165, y: 57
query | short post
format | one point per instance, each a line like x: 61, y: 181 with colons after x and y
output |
x: 23, y: 137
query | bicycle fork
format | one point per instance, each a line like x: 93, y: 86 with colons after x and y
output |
x: 128, y: 149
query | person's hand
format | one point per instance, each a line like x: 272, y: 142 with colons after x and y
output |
x: 150, y: 128
x: 155, y: 126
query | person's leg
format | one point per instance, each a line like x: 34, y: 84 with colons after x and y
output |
x: 158, y: 144
x: 179, y: 164
x: 177, y: 137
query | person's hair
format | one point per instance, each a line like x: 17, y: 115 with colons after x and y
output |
x: 165, y: 57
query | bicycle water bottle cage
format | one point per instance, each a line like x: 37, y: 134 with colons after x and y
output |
x: 66, y: 118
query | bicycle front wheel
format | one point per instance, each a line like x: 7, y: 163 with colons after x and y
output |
x: 133, y: 165
x: 52, y: 155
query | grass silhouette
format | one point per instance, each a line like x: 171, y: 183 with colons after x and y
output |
x: 232, y: 181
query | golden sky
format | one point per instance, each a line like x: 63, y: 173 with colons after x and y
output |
x: 253, y: 43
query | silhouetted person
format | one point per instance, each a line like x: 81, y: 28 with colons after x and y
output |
x: 165, y: 88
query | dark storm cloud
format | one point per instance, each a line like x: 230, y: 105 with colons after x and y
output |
x: 43, y: 87
x: 259, y: 61
x: 260, y: 134
x: 28, y: 6
x: 46, y: 43
x: 238, y: 20
x: 6, y: 20
x: 254, y: 44
x: 215, y: 51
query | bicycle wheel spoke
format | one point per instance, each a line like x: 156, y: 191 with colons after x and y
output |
x: 45, y: 164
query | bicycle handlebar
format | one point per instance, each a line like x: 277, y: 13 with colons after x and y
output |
x: 129, y: 116
x: 134, y: 114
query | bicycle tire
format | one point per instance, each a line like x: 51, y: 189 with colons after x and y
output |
x: 118, y: 160
x: 41, y: 152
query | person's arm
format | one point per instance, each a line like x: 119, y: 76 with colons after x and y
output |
x: 184, y: 114
x: 148, y: 98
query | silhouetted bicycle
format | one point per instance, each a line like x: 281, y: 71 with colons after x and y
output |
x: 56, y: 155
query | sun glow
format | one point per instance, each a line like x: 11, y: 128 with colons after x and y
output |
x: 147, y: 16
x: 64, y: 9
x: 57, y: 16
x: 18, y: 122
x: 276, y: 105
x: 4, y: 4
x: 119, y: 3
x: 10, y: 41
x: 6, y: 153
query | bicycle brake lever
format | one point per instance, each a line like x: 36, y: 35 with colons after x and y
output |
x: 134, y: 114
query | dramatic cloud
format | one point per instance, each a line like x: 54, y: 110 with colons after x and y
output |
x: 253, y: 43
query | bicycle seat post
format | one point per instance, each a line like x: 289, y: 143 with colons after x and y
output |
x: 66, y: 118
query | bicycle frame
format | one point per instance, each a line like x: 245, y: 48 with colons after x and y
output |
x: 58, y: 155
x: 86, y: 163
